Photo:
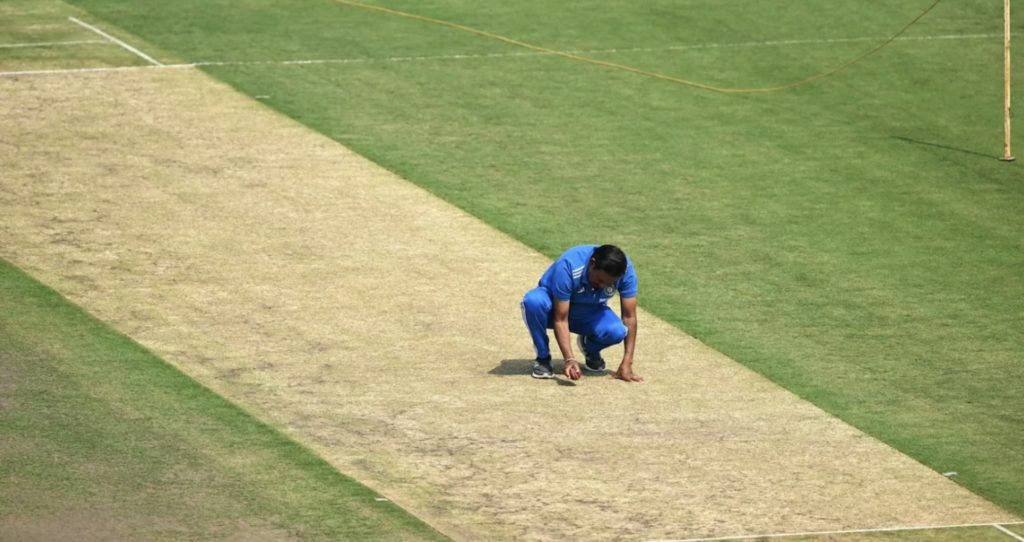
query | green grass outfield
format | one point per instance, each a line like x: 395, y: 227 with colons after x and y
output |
x: 102, y: 440
x: 855, y: 240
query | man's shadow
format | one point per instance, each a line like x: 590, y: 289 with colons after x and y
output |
x: 524, y: 367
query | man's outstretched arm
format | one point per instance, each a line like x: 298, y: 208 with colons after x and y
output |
x: 625, y: 371
x: 560, y: 317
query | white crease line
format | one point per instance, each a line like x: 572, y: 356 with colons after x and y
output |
x: 139, y: 53
x: 592, y: 51
x: 49, y: 43
x: 94, y: 70
x: 851, y: 531
x: 214, y: 63
x: 1009, y: 532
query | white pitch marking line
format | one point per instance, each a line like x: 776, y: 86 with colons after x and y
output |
x: 49, y: 43
x: 851, y: 531
x: 596, y: 51
x: 139, y: 53
x: 1009, y: 532
x: 95, y: 70
x: 477, y: 56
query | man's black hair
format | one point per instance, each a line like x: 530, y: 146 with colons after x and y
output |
x: 610, y: 259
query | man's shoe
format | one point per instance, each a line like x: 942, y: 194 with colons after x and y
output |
x: 594, y: 362
x: 542, y: 368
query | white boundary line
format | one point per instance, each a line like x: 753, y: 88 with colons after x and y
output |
x: 137, y: 52
x: 470, y: 56
x: 49, y: 43
x: 852, y: 531
x: 1009, y: 532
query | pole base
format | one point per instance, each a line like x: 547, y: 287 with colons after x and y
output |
x: 1008, y: 159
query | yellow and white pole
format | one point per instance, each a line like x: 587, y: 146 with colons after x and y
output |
x: 1007, y: 74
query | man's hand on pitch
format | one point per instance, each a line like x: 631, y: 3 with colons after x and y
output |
x: 572, y: 369
x: 626, y: 373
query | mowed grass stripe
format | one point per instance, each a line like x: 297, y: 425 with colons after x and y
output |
x: 102, y: 441
x: 855, y: 241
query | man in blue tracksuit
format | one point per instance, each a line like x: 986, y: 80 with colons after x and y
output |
x: 572, y: 296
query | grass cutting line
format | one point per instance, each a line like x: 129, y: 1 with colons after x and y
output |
x: 129, y: 48
x: 475, y: 56
x: 684, y: 47
x: 638, y: 71
x: 851, y: 531
x: 49, y: 44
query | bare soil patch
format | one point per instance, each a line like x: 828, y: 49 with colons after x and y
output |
x: 380, y: 326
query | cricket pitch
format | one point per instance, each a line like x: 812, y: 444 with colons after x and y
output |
x: 380, y: 326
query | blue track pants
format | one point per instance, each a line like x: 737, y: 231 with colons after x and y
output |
x: 599, y: 324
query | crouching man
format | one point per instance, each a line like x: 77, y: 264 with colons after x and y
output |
x: 572, y: 297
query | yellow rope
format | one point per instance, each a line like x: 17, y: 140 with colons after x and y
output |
x: 631, y: 69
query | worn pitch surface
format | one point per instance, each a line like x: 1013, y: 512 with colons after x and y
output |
x: 380, y: 326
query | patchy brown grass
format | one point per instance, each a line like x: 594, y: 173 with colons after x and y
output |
x: 380, y: 326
